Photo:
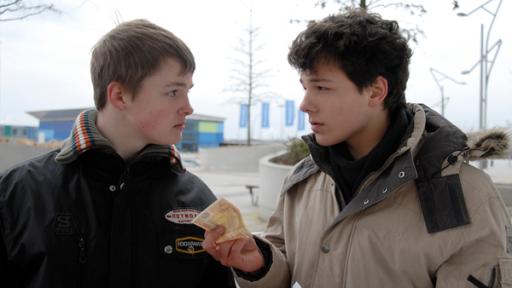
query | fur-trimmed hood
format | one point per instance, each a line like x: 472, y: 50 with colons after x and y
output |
x: 493, y: 143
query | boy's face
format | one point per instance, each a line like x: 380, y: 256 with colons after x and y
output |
x: 157, y: 113
x: 337, y: 110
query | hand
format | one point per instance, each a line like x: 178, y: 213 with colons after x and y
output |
x: 242, y: 254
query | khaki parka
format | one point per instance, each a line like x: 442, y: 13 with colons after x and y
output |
x: 381, y: 238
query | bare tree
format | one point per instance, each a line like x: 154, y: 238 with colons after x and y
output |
x: 249, y: 74
x: 13, y: 10
x: 375, y: 4
x: 411, y: 31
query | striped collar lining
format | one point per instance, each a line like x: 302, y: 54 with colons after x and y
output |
x: 86, y: 136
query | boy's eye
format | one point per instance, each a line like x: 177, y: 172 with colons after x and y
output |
x: 320, y: 88
x: 172, y: 93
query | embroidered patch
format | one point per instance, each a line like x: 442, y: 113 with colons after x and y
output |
x: 182, y: 216
x: 189, y: 245
x: 63, y: 224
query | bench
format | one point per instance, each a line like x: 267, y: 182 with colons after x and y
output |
x: 254, y: 197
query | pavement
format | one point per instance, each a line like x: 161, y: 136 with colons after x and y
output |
x: 500, y: 171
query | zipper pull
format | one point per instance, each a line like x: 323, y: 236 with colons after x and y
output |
x: 82, y: 250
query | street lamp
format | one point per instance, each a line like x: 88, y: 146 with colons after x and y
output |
x: 438, y: 77
x: 485, y: 68
x: 484, y: 61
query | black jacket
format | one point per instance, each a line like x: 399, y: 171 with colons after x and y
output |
x: 99, y: 222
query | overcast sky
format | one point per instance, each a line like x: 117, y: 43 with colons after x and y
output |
x: 44, y: 60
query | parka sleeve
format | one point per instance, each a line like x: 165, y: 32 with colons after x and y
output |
x: 483, y: 255
x: 278, y: 274
x: 217, y: 275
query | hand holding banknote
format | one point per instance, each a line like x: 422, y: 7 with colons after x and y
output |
x: 227, y: 239
x: 223, y: 213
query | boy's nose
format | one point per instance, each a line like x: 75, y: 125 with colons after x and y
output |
x: 187, y: 108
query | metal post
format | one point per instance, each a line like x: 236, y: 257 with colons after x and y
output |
x: 442, y: 100
x: 485, y: 70
x: 439, y: 77
x: 482, y: 79
x: 483, y: 96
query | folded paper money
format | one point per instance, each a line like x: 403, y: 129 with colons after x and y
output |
x: 222, y: 212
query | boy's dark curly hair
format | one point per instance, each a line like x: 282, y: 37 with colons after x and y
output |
x: 363, y: 45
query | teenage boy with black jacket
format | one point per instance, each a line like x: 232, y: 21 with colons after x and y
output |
x: 113, y: 207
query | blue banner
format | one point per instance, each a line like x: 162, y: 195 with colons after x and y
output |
x: 265, y: 109
x: 244, y: 115
x: 289, y: 112
x: 301, y: 116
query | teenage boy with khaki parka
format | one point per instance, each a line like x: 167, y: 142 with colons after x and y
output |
x: 386, y: 198
x: 113, y: 206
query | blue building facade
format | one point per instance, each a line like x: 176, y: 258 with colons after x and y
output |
x: 17, y: 132
x: 55, y: 130
x: 201, y: 131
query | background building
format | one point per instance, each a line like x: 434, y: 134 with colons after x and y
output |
x: 55, y: 124
x: 18, y: 132
x: 201, y: 131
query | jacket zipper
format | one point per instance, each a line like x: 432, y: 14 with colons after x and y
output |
x: 123, y: 179
x: 82, y: 259
x: 82, y: 250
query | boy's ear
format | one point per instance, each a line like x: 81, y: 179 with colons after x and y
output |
x: 379, y: 90
x: 116, y: 95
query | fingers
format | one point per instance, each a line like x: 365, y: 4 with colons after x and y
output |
x: 229, y: 252
x: 243, y: 254
x: 224, y: 250
x: 237, y: 247
x: 210, y: 237
x: 246, y: 255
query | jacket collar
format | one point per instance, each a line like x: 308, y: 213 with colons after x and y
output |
x: 412, y: 137
x: 85, y: 136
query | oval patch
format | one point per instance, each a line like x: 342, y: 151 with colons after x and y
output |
x: 182, y: 216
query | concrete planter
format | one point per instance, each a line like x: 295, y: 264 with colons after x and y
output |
x: 235, y: 158
x: 272, y: 176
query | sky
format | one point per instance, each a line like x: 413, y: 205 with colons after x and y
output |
x: 44, y: 60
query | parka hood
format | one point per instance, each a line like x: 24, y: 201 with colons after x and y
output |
x: 492, y: 143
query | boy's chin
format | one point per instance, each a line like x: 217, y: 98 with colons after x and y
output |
x: 322, y: 141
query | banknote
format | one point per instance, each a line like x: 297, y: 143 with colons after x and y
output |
x: 222, y: 212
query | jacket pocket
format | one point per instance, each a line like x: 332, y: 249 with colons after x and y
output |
x: 182, y: 256
x: 504, y: 274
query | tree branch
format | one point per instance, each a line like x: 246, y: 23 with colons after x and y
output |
x: 9, y: 4
x: 17, y: 7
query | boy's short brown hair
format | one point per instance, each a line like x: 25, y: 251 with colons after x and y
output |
x: 132, y: 51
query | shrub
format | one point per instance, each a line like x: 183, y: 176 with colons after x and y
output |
x: 296, y: 150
